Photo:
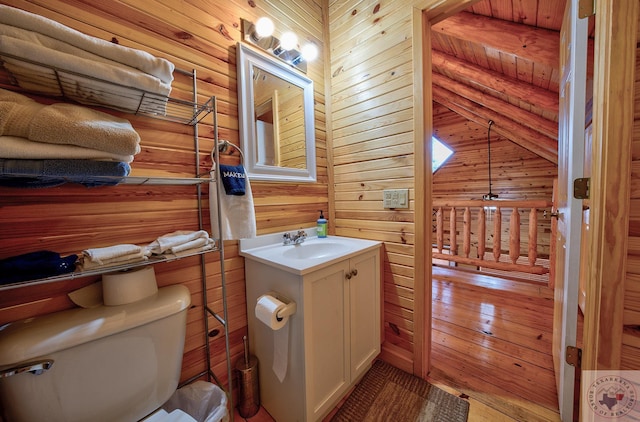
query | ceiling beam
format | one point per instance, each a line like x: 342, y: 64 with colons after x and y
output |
x: 527, y: 138
x: 495, y: 82
x: 533, y: 121
x: 537, y: 45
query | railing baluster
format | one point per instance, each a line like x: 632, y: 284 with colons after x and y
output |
x: 452, y: 232
x: 467, y: 232
x: 482, y: 232
x: 533, y: 236
x: 514, y: 236
x: 439, y: 230
x: 497, y: 234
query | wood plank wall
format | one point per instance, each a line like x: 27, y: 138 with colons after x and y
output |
x: 372, y: 119
x: 630, y: 352
x: 192, y: 34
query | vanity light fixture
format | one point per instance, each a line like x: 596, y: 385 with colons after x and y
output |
x: 260, y: 35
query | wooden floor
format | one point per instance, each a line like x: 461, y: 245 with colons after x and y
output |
x: 492, y: 344
x: 491, y: 340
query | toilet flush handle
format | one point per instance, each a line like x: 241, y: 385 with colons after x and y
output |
x: 35, y: 368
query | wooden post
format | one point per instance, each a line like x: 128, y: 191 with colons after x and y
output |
x: 467, y: 232
x: 497, y: 234
x: 533, y: 236
x: 482, y: 232
x: 514, y: 236
x: 453, y: 240
x: 439, y: 230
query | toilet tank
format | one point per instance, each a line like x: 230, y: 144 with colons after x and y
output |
x: 110, y: 363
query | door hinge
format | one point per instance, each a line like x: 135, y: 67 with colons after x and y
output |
x: 586, y: 8
x: 581, y: 188
x: 573, y: 356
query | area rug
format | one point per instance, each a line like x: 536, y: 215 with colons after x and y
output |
x: 387, y: 393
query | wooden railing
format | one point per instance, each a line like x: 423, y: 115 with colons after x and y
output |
x: 489, y: 213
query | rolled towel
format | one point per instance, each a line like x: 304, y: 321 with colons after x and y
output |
x: 34, y: 265
x: 175, y: 239
x: 49, y: 173
x: 145, y: 62
x: 22, y: 148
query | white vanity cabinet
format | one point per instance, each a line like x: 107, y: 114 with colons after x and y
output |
x: 333, y: 337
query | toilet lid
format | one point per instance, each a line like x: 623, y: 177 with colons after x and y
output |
x: 175, y: 416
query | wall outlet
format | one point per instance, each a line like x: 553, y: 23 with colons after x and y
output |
x: 395, y: 198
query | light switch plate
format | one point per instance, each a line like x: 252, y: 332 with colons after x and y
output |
x: 395, y: 198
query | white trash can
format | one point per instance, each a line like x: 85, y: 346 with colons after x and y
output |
x: 203, y: 401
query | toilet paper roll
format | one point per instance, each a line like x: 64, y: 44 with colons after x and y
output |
x: 123, y: 287
x: 267, y: 309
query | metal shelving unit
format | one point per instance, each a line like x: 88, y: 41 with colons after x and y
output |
x: 65, y: 84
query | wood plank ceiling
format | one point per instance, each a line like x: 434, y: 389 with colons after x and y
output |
x: 499, y: 60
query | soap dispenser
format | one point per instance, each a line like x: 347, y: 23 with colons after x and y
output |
x: 322, y: 226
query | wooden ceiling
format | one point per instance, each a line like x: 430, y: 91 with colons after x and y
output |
x: 499, y: 60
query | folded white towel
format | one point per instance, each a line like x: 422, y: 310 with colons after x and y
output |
x: 72, y: 85
x: 237, y: 215
x: 113, y: 253
x: 145, y: 62
x: 197, y: 243
x: 176, y: 239
x: 21, y: 148
x: 85, y: 264
x: 191, y: 251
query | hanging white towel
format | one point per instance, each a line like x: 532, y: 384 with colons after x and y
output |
x: 237, y: 216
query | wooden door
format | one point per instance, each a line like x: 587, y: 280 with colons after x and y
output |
x: 573, y: 53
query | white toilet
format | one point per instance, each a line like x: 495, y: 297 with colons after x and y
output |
x: 109, y: 363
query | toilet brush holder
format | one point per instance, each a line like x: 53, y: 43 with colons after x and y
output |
x: 248, y: 385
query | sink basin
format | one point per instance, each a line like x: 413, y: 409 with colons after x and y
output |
x: 316, y: 250
x: 314, y: 253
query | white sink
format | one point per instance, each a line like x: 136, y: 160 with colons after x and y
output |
x: 312, y: 254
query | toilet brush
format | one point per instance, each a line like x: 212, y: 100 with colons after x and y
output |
x: 248, y: 386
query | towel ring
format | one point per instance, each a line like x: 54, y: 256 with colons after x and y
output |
x: 223, y: 145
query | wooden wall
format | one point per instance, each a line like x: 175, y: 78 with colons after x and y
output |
x: 372, y: 120
x: 630, y: 352
x: 193, y: 34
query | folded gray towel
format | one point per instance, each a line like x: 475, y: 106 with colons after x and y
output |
x: 48, y: 173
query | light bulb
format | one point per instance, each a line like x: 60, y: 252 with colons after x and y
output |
x: 288, y: 41
x: 309, y: 52
x: 264, y: 27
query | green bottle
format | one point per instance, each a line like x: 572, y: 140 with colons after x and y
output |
x: 322, y: 226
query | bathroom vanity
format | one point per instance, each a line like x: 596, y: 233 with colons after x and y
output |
x: 335, y: 333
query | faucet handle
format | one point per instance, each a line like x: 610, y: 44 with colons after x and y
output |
x: 286, y: 238
x: 302, y: 233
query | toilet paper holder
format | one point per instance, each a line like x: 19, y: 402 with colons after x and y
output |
x: 289, y: 308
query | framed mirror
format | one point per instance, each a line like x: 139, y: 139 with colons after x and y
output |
x: 276, y: 117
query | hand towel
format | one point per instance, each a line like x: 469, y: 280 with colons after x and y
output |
x: 34, y: 265
x: 237, y: 215
x: 22, y: 148
x: 233, y: 179
x: 177, y: 240
x: 49, y: 173
x: 145, y: 62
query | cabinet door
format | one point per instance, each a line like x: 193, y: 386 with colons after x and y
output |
x: 326, y: 338
x: 364, y: 309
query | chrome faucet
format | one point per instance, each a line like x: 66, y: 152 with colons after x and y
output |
x: 296, y: 239
x: 299, y: 237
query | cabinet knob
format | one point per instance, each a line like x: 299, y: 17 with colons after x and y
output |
x: 353, y: 273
